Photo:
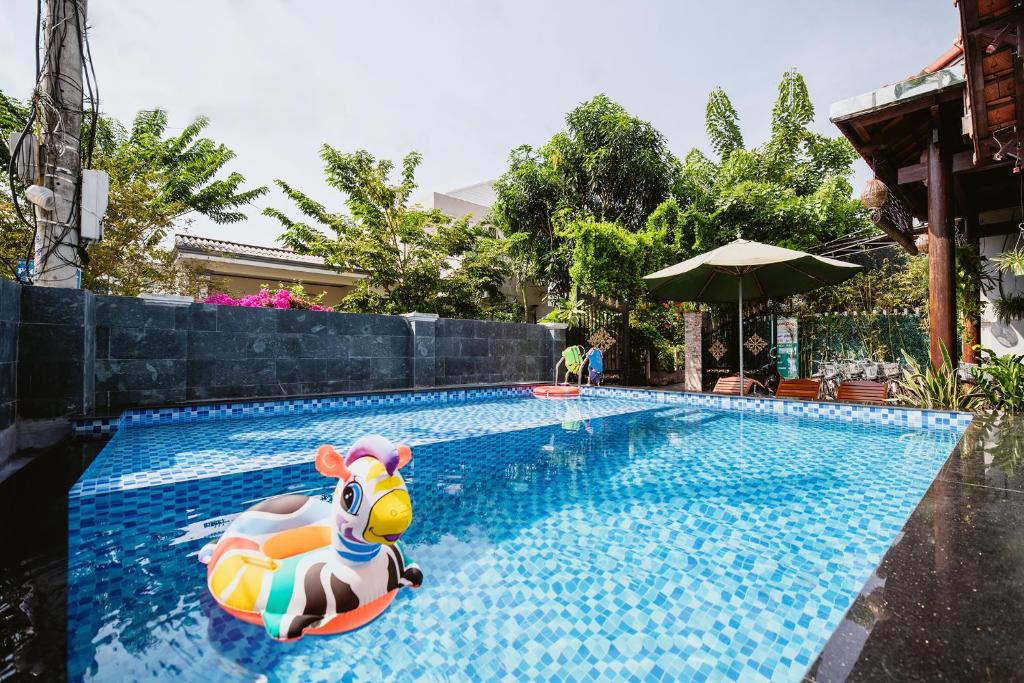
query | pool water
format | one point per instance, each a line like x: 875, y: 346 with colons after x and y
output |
x: 609, y: 539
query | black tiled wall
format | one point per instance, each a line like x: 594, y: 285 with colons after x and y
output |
x: 154, y: 354
x: 10, y: 315
x: 483, y: 351
x: 81, y: 353
x: 56, y: 347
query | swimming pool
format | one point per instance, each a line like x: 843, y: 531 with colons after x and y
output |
x: 614, y: 536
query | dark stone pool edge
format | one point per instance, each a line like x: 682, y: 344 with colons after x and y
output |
x: 947, y: 600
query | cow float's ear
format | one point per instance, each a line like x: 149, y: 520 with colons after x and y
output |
x: 330, y: 463
x: 404, y: 455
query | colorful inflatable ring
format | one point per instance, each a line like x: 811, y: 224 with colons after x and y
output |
x: 297, y: 565
x: 556, y: 391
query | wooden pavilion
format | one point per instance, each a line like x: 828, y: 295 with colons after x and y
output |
x: 945, y: 148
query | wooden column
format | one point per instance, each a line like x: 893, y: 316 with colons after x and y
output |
x: 941, y: 259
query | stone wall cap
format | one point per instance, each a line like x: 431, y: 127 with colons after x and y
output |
x: 425, y: 317
x: 555, y: 326
x: 166, y: 299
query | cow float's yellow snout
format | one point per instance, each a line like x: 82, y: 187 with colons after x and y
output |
x: 389, y: 518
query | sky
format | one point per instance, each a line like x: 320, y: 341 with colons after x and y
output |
x: 464, y: 81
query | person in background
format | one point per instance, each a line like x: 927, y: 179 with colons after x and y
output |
x: 595, y: 366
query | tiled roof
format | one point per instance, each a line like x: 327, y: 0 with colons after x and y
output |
x: 208, y: 245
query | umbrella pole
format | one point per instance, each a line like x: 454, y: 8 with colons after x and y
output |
x: 740, y: 326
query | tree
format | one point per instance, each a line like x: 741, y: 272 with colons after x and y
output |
x: 15, y: 235
x: 605, y: 199
x: 792, y: 191
x: 412, y: 259
x: 609, y: 261
x: 723, y: 124
x: 157, y: 184
x: 607, y: 164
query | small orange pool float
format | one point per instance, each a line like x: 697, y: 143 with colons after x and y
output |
x: 556, y: 391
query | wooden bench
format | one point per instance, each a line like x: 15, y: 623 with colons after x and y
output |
x: 730, y: 386
x: 799, y: 388
x: 862, y: 391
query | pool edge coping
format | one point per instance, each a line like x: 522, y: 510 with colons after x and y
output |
x: 921, y: 418
x: 887, y: 639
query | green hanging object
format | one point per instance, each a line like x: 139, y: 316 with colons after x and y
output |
x: 1009, y: 308
x: 1011, y: 262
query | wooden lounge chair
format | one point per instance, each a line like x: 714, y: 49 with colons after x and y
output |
x: 799, y: 388
x: 730, y: 386
x: 861, y: 391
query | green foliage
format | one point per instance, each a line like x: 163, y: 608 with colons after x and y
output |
x: 722, y: 123
x: 1011, y: 262
x: 939, y: 388
x: 607, y: 164
x: 299, y: 293
x: 792, y: 191
x: 605, y: 202
x: 1001, y: 380
x: 15, y: 236
x: 521, y: 267
x: 157, y: 183
x: 971, y: 277
x: 572, y: 310
x: 876, y: 336
x: 414, y: 259
x: 893, y: 281
x: 1009, y: 307
x: 682, y: 230
x: 887, y: 285
x: 610, y: 261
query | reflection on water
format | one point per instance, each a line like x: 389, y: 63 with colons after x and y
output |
x: 644, y: 544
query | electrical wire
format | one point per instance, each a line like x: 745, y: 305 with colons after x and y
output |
x: 50, y: 116
x: 25, y: 277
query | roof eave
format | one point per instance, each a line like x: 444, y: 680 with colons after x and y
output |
x: 897, y: 94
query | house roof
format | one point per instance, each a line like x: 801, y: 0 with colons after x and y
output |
x: 969, y: 94
x: 196, y: 244
x: 925, y: 83
x: 479, y: 193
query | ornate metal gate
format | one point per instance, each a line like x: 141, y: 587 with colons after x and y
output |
x: 719, y: 339
x: 600, y: 316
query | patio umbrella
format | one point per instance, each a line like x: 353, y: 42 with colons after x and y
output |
x: 722, y: 275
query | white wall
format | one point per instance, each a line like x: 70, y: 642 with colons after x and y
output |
x: 1000, y: 337
x: 457, y: 208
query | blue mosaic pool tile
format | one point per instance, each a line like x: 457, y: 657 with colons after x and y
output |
x: 142, y: 417
x: 674, y: 543
x: 882, y: 415
x: 94, y: 426
x: 159, y: 454
x: 885, y: 415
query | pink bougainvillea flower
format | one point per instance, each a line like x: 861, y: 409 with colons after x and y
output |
x: 220, y: 299
x: 281, y: 298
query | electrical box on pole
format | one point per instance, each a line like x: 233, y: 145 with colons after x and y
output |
x: 95, y: 186
x: 25, y: 161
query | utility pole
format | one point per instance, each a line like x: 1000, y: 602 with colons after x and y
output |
x: 61, y: 92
